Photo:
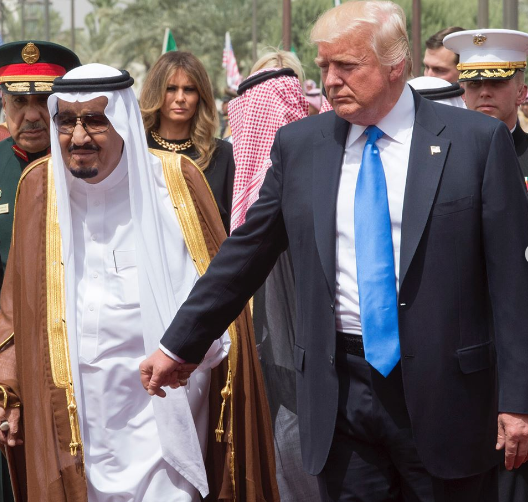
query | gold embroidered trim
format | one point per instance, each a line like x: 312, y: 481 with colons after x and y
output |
x: 492, y: 66
x: 189, y: 223
x: 56, y: 313
x: 43, y: 86
x: 195, y: 242
x: 18, y: 87
x: 28, y: 78
x: 486, y: 73
x: 468, y: 74
x: 7, y: 341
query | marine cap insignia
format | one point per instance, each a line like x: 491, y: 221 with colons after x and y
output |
x: 479, y: 39
x: 30, y: 53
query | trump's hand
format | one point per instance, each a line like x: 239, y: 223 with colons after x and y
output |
x: 160, y: 370
x: 12, y: 417
x: 513, y: 437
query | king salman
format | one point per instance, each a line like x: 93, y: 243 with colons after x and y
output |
x: 108, y: 241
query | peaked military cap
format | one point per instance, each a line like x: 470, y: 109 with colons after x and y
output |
x: 488, y: 54
x: 30, y: 67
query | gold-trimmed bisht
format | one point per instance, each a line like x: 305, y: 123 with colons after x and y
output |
x: 195, y: 242
x: 56, y: 313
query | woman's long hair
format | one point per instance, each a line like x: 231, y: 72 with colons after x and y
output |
x: 205, y: 120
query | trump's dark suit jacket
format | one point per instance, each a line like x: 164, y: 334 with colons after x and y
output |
x: 463, y: 302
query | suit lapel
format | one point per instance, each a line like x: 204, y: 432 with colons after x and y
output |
x: 426, y: 162
x: 328, y: 157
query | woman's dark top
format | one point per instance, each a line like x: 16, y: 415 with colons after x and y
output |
x: 220, y: 173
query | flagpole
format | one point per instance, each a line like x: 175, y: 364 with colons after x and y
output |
x: 416, y: 28
x: 165, y: 41
x: 286, y: 25
x: 254, y: 31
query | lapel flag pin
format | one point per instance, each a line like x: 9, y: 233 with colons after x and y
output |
x: 435, y: 149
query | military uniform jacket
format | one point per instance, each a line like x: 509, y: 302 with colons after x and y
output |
x: 13, y: 160
x: 520, y: 139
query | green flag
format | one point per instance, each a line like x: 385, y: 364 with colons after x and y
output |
x: 169, y: 44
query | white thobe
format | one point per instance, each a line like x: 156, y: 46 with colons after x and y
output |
x: 122, y: 449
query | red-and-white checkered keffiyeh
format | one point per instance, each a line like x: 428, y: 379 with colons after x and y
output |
x: 255, y: 117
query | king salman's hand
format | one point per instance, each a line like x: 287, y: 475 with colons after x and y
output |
x: 159, y: 370
x: 12, y: 417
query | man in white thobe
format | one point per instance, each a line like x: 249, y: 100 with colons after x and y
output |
x: 126, y: 271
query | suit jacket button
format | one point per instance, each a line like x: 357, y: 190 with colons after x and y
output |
x: 332, y: 307
x: 332, y: 360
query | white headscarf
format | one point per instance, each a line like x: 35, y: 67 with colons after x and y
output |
x: 160, y: 247
x: 422, y: 83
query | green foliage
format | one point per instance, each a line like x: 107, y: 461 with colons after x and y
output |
x: 304, y: 15
x: 130, y: 34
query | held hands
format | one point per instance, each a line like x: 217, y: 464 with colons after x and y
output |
x: 160, y: 370
x: 9, y: 437
x: 513, y: 437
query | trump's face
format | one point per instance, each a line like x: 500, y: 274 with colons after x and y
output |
x: 360, y: 89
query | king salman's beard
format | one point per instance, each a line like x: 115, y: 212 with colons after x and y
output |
x: 83, y: 171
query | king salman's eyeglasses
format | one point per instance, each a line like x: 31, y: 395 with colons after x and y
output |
x: 93, y: 123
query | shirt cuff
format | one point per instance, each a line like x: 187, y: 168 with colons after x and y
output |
x: 167, y: 352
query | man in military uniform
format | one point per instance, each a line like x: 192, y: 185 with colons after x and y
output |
x: 27, y: 72
x: 492, y: 65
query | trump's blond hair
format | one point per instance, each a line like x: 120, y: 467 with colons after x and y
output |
x: 383, y: 21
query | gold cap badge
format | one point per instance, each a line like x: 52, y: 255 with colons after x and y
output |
x: 479, y: 39
x: 30, y: 53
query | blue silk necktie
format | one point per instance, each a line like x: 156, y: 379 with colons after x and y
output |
x: 375, y: 260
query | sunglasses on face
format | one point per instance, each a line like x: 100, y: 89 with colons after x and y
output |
x: 93, y: 123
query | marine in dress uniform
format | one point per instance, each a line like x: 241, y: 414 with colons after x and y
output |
x: 492, y: 66
x: 27, y: 71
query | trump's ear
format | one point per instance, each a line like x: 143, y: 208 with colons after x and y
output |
x: 397, y: 70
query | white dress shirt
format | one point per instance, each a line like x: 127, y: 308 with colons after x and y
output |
x: 394, y: 147
x: 122, y: 449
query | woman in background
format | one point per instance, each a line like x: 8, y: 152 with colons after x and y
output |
x: 179, y: 114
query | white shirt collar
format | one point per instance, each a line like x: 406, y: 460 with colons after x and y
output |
x: 397, y: 124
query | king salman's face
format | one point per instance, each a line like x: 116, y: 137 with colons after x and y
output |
x: 88, y: 155
x: 27, y: 119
